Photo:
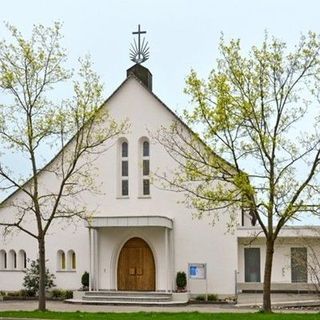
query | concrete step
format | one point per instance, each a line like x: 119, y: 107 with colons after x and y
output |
x: 132, y: 303
x: 127, y: 296
x: 129, y: 293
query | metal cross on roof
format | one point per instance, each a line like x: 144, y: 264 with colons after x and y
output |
x: 139, y: 53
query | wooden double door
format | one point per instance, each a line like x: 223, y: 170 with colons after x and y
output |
x: 136, y: 269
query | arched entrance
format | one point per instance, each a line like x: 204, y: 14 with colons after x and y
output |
x: 136, y: 269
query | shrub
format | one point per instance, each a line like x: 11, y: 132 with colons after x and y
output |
x: 23, y: 293
x: 61, y: 294
x: 212, y: 297
x: 200, y: 298
x: 13, y: 294
x: 57, y: 293
x: 181, y: 280
x: 85, y: 280
x: 68, y: 294
x: 32, y: 277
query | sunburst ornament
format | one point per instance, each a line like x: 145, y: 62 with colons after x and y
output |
x: 139, y: 52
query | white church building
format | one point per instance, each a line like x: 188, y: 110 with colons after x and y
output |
x: 141, y: 235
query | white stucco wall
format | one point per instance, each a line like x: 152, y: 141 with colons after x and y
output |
x: 281, y: 270
x: 194, y: 241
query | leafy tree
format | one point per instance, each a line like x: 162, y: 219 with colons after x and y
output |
x: 33, y: 123
x: 251, y: 114
x: 32, y: 278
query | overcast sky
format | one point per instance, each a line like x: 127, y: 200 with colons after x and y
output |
x: 181, y: 34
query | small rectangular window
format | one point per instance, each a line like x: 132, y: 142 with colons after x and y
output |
x: 124, y: 168
x: 146, y: 151
x: 299, y: 268
x: 146, y: 187
x: 146, y: 167
x: 125, y: 187
x: 124, y: 151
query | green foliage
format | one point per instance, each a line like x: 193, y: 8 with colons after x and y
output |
x: 251, y: 150
x: 212, y: 297
x: 156, y: 315
x: 249, y: 113
x: 181, y: 280
x: 68, y: 294
x: 13, y: 294
x: 200, y: 297
x: 32, y: 278
x: 85, y: 280
x: 61, y: 294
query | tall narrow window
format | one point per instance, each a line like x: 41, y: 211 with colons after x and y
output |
x: 145, y: 168
x: 124, y: 169
x: 12, y: 260
x: 61, y: 260
x: 3, y: 260
x: 71, y: 261
x: 299, y: 267
x: 252, y: 264
x: 22, y: 260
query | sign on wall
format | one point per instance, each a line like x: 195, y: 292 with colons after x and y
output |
x: 197, y: 270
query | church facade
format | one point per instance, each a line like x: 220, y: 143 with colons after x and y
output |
x: 140, y: 235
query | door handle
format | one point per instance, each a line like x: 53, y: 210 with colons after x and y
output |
x: 132, y: 271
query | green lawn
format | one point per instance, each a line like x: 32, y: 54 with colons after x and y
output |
x: 155, y: 316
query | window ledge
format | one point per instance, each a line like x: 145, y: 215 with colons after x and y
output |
x: 66, y: 271
x: 144, y: 197
x: 123, y: 197
x: 12, y: 270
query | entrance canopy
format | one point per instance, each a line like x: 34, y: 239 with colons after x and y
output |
x: 130, y: 221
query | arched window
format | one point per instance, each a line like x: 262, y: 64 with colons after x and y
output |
x: 12, y: 260
x: 124, y: 168
x: 145, y: 152
x: 72, y: 263
x: 61, y: 260
x: 22, y: 260
x: 3, y: 260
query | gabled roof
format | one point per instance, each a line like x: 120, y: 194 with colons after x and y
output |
x: 130, y: 76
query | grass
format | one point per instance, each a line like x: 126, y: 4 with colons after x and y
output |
x: 155, y: 316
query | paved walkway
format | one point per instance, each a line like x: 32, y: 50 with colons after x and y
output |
x: 255, y: 299
x: 60, y: 306
x: 245, y: 303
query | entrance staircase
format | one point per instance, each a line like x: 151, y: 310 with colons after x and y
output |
x: 126, y: 298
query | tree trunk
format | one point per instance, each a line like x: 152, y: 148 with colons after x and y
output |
x: 267, y: 276
x: 42, y: 274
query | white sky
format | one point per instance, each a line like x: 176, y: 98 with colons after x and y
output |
x: 181, y: 34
